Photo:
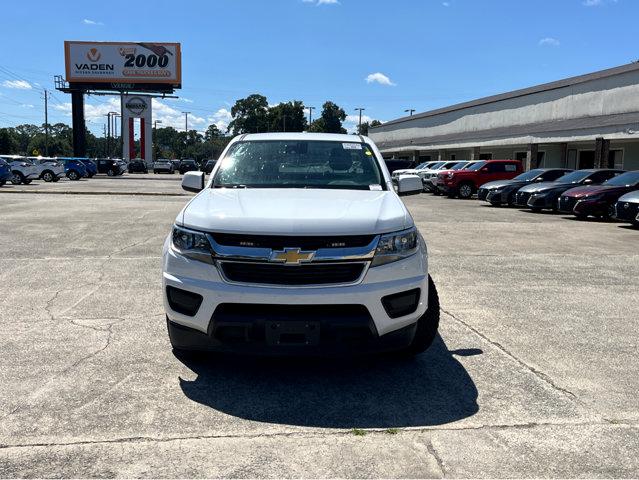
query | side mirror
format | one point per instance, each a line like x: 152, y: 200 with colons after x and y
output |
x: 193, y: 181
x: 409, y: 185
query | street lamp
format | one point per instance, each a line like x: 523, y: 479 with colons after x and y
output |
x: 155, y: 127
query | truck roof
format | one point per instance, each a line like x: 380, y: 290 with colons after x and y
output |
x: 327, y: 137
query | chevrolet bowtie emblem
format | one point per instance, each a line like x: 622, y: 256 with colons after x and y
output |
x: 291, y: 256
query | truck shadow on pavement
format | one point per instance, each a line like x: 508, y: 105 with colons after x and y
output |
x: 379, y: 392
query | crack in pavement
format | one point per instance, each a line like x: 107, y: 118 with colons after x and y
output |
x: 433, y: 452
x: 381, y: 432
x: 539, y: 374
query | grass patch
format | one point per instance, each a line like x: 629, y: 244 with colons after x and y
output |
x: 392, y: 431
x: 358, y: 432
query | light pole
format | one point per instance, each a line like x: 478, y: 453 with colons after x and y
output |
x: 155, y: 127
x: 410, y: 111
x: 310, y: 115
x: 359, y: 128
x: 111, y: 131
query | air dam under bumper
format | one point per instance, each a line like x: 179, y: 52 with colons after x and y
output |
x: 253, y: 319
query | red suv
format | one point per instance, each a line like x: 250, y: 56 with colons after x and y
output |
x: 467, y: 181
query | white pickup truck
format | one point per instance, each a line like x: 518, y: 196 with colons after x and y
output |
x: 298, y: 244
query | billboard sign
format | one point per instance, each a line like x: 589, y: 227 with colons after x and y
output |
x: 123, y: 65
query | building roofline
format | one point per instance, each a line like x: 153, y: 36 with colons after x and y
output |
x: 566, y: 82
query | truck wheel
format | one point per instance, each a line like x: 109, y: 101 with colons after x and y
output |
x: 466, y: 190
x: 426, y: 325
x: 110, y: 173
x: 48, y: 176
x: 17, y: 178
x: 73, y: 175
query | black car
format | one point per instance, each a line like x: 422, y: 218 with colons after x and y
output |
x: 208, y: 166
x: 627, y: 208
x: 544, y: 195
x: 503, y: 191
x: 110, y: 166
x: 187, y: 165
x: 138, y: 165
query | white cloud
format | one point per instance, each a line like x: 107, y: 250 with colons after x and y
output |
x: 379, y: 78
x: 549, y: 41
x: 19, y: 84
x: 221, y: 119
x: 186, y: 100
x: 322, y: 2
x: 87, y: 21
x: 446, y: 4
x: 597, y: 3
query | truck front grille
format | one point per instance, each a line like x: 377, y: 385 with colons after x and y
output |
x: 278, y: 242
x: 295, y: 275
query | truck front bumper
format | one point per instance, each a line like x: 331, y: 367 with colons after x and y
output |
x: 293, y: 320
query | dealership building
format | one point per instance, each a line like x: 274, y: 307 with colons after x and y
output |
x: 581, y: 122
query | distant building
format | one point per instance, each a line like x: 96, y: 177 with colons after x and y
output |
x: 580, y: 122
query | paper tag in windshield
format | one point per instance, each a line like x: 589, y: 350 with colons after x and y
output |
x: 352, y: 146
x: 375, y: 187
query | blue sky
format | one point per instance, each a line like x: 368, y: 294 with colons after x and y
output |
x: 384, y: 55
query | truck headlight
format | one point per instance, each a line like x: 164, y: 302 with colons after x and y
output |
x: 192, y: 244
x: 396, y: 246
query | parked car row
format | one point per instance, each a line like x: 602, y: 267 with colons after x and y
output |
x: 19, y: 169
x: 601, y: 193
x: 165, y: 165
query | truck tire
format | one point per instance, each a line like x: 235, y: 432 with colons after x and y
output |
x: 466, y: 190
x: 110, y: 172
x: 17, y: 178
x: 73, y: 175
x: 48, y: 176
x: 427, y: 324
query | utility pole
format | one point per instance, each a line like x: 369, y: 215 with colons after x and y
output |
x: 186, y: 121
x: 310, y: 115
x: 410, y: 111
x: 46, y: 123
x: 359, y: 128
x: 108, y: 136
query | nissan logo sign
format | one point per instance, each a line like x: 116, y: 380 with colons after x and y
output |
x: 136, y: 105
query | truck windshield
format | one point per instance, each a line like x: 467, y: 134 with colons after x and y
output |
x: 476, y: 166
x: 300, y: 164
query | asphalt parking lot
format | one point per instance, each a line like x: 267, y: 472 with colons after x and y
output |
x: 535, y: 373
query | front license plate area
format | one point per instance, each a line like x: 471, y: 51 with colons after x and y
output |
x: 292, y: 333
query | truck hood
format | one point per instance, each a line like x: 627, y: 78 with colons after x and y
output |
x: 294, y: 211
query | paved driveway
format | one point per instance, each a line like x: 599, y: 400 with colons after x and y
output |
x: 535, y: 372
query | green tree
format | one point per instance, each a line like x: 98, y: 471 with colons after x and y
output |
x: 212, y: 132
x: 287, y: 117
x: 250, y: 115
x: 365, y: 126
x: 330, y: 120
x: 8, y: 141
